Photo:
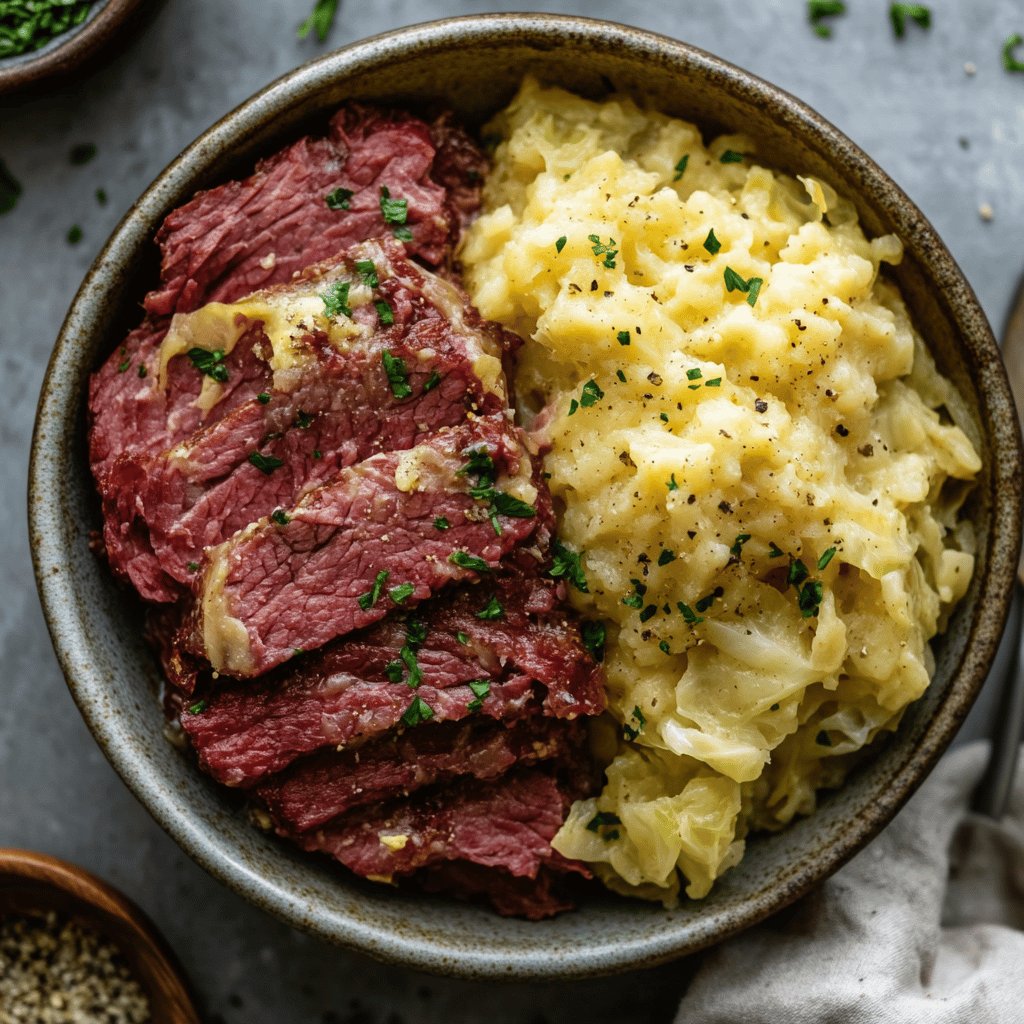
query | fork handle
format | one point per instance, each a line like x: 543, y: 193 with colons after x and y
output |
x: 993, y: 792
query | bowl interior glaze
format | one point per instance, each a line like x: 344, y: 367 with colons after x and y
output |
x: 473, y: 65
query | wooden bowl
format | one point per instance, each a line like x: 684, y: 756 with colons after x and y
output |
x: 66, y: 52
x: 34, y: 882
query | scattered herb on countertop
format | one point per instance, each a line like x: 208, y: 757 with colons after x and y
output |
x: 82, y: 153
x: 1010, y: 62
x: 818, y: 9
x: 899, y: 13
x: 320, y: 20
x: 25, y: 27
x: 74, y: 234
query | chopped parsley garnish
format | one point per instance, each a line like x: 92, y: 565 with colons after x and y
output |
x: 401, y: 593
x: 774, y: 551
x: 623, y: 337
x: 192, y: 566
x: 560, y: 244
x: 101, y: 196
x: 397, y: 374
x: 566, y: 565
x: 418, y: 712
x: 82, y: 153
x: 303, y: 420
x: 735, y: 283
x: 481, y: 688
x: 367, y: 271
x: 441, y: 523
x: 608, y: 251
x: 463, y: 638
x: 671, y: 483
x: 664, y: 647
x: 320, y: 20
x: 280, y: 517
x: 594, y: 635
x: 621, y: 376
x: 737, y: 544
x: 826, y: 557
x: 810, y: 597
x: 431, y: 382
x: 680, y: 167
x: 403, y: 234
x: 464, y: 560
x: 339, y: 199
x: 694, y: 374
x: 393, y: 671
x: 415, y: 632
x: 689, y: 615
x: 823, y: 739
x: 123, y: 366
x: 709, y: 599
x: 317, y: 454
x: 142, y: 370
x: 818, y: 9
x: 507, y: 505
x: 335, y: 300
x: 601, y: 824
x: 372, y: 596
x: 491, y: 610
x: 636, y: 599
x: 263, y: 397
x: 666, y: 556
x: 10, y: 189
x: 74, y: 234
x: 730, y: 156
x: 408, y: 658
x: 715, y: 382
x: 198, y: 708
x: 384, y: 313
x: 797, y: 573
x: 28, y: 26
x: 629, y: 731
x: 265, y: 463
x: 591, y: 394
x: 394, y: 211
x: 711, y: 243
x: 573, y: 406
x: 649, y: 612
x: 1010, y: 62
x: 479, y: 464
x: 898, y: 14
x: 209, y: 363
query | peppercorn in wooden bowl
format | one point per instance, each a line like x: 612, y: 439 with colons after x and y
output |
x: 71, y: 941
x: 473, y: 66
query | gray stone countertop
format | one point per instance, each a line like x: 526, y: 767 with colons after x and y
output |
x: 936, y: 110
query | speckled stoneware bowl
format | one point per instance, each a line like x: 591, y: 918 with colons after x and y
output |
x: 474, y: 65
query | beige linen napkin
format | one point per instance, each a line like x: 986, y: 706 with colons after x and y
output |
x: 924, y: 925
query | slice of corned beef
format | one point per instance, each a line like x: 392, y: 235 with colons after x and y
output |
x: 392, y: 529
x: 317, y: 789
x: 333, y: 403
x: 249, y: 234
x: 506, y: 824
x: 358, y: 688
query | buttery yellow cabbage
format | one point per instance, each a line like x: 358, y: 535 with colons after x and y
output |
x: 756, y: 458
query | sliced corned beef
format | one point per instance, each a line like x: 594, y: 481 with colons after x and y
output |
x: 357, y: 688
x: 245, y: 235
x: 506, y: 824
x: 332, y: 405
x: 339, y: 559
x: 321, y: 787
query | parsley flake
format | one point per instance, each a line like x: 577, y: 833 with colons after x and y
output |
x: 680, y: 167
x: 711, y: 243
x: 601, y: 824
x: 481, y: 688
x: 600, y: 248
x: 320, y: 20
x: 367, y: 271
x: 335, y: 300
x: 463, y: 638
x: 823, y: 739
x: 1010, y: 62
x: 573, y: 406
x: 566, y: 565
x: 591, y: 394
x: 75, y: 234
x: 211, y: 364
x: 797, y: 573
x: 671, y: 483
x: 401, y: 593
x: 303, y: 420
x: 737, y: 544
x: 339, y: 199
x: 441, y: 523
x: 384, y: 313
x: 431, y: 382
x: 826, y: 557
x: 666, y: 556
x: 263, y: 397
x: 266, y: 464
x: 393, y: 671
x: 735, y: 283
x: 491, y: 610
x: 774, y: 551
x: 730, y: 156
x: 372, y: 596
x: 192, y: 566
x: 560, y: 244
x: 818, y: 9
x: 394, y: 211
x: 689, y: 615
x: 629, y: 731
x: 623, y: 337
x: 280, y: 517
x: 649, y: 612
x: 594, y: 635
x: 898, y: 14
x: 809, y: 599
x: 403, y: 234
x: 418, y: 712
x: 694, y: 374
x: 198, y: 708
x: 621, y: 376
x: 397, y: 374
x: 464, y: 560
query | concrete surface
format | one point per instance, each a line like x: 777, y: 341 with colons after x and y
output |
x: 953, y: 140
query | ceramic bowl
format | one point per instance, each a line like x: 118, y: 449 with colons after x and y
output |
x: 33, y: 883
x: 66, y: 52
x: 474, y: 65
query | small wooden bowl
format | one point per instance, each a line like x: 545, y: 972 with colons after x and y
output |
x: 66, y: 52
x: 34, y: 882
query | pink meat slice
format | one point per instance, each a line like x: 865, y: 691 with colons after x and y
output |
x: 330, y: 566
x: 317, y: 789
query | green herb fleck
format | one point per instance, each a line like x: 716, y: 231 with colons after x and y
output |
x: 636, y: 599
x: 81, y: 153
x: 491, y: 610
x: 367, y: 271
x: 708, y: 600
x: 573, y: 406
x: 198, y: 708
x: 142, y: 370
x: 209, y: 363
x: 689, y: 615
x: 735, y: 283
x: 623, y: 337
x: 671, y: 484
x: 280, y: 517
x: 74, y: 234
x: 774, y: 551
x: 591, y: 394
x: 415, y: 632
x: 629, y: 731
x: 737, y: 544
x: 266, y: 464
x: 481, y: 688
x: 397, y: 374
x: 600, y: 248
x: 566, y: 565
x: 621, y: 376
x: 711, y: 243
x: 372, y: 596
x: 384, y: 313
x: 1010, y: 62
x: 464, y: 560
x: 594, y: 635
x: 393, y: 671
x: 463, y: 638
x: 898, y: 14
x: 826, y: 557
x: 681, y: 167
x: 394, y: 211
x: 101, y: 196
x: 401, y: 593
x: 418, y: 712
x: 818, y: 9
x: 403, y: 234
x: 192, y: 566
x: 320, y: 20
x: 560, y: 244
x: 303, y: 420
x: 441, y: 523
x: 335, y: 300
x: 666, y: 556
x: 809, y: 599
x: 339, y: 199
x: 715, y: 382
x: 649, y: 612
x: 415, y: 676
x: 317, y: 454
x: 263, y: 397
x: 797, y: 573
x: 431, y: 382
x: 601, y: 822
x: 730, y: 156
x: 694, y: 374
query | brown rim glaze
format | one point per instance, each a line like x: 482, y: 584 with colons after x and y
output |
x: 66, y: 52
x: 473, y: 64
x: 34, y: 882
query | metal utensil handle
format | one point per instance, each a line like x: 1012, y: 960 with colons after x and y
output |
x: 993, y: 792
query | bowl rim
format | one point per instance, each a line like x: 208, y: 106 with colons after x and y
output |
x: 153, y: 961
x: 58, y: 599
x: 67, y: 51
